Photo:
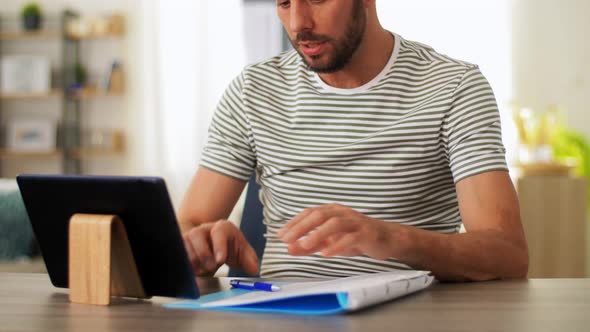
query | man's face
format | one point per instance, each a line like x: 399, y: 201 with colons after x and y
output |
x: 325, y: 34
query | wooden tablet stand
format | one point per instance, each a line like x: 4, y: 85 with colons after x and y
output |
x: 101, y: 263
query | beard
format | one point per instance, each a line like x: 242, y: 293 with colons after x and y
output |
x: 343, y: 50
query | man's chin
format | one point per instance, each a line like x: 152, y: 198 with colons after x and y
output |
x: 322, y: 68
x: 317, y: 64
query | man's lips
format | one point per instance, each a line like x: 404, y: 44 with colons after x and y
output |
x: 312, y: 48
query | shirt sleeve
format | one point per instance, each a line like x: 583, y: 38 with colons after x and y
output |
x: 472, y: 128
x: 229, y: 149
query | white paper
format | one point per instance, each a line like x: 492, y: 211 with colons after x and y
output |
x: 362, y: 290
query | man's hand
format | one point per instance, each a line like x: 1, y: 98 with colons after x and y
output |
x: 336, y: 230
x: 212, y: 244
x: 493, y: 247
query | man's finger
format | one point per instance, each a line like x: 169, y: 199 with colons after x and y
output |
x: 295, y: 248
x: 201, y: 244
x: 306, y: 225
x: 192, y: 256
x: 334, y: 209
x: 326, y: 230
x: 248, y: 259
x: 345, y: 246
x: 240, y: 254
x: 293, y: 222
x: 221, y: 236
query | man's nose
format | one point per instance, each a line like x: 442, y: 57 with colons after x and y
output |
x: 300, y: 16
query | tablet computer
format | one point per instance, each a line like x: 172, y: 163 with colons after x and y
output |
x: 143, y: 205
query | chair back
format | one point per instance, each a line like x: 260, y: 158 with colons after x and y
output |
x: 251, y: 224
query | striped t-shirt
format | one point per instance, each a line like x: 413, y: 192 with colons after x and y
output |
x: 392, y: 149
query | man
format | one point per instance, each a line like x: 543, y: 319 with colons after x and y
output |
x: 371, y: 151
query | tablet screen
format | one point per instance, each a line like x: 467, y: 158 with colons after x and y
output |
x: 143, y: 205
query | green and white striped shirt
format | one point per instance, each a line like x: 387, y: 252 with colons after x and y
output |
x: 392, y: 149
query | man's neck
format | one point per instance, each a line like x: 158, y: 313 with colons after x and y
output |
x: 366, y: 63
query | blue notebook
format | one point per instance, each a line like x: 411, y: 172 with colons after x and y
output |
x: 316, y: 297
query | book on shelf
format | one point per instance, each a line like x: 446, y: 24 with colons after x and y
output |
x: 114, y: 79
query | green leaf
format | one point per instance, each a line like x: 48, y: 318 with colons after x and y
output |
x: 570, y: 145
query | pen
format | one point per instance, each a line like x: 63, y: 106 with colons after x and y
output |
x: 254, y: 285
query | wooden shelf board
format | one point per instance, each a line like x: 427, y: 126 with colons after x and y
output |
x: 52, y: 35
x: 30, y: 154
x: 92, y: 153
x: 24, y: 35
x: 23, y: 95
x: 94, y: 94
x: 97, y: 36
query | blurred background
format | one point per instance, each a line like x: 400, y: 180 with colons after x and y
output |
x: 127, y: 87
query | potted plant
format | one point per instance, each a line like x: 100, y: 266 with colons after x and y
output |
x: 31, y: 16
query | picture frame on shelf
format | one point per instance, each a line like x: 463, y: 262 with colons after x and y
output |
x: 25, y: 74
x: 31, y: 136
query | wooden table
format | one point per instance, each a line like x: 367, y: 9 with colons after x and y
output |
x: 28, y: 302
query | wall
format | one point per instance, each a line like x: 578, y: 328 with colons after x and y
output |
x: 551, y: 57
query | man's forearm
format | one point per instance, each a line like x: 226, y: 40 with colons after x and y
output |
x: 477, y: 255
x: 186, y: 225
x: 210, y: 197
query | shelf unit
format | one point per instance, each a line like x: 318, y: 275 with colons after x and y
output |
x: 54, y: 93
x: 6, y: 154
x: 69, y: 149
x: 30, y: 35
